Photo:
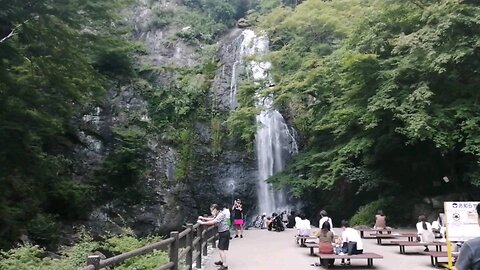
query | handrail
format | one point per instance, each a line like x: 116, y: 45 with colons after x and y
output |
x: 196, y: 236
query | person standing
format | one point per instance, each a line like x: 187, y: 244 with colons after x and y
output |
x: 220, y: 220
x: 469, y: 256
x: 238, y: 218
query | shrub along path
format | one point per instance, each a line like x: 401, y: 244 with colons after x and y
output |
x: 264, y: 250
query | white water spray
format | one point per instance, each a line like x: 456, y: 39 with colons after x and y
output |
x: 274, y: 142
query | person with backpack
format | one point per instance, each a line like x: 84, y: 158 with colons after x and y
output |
x: 324, y: 218
x: 352, y: 242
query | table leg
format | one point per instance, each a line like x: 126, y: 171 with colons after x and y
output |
x: 370, y: 262
x: 431, y: 260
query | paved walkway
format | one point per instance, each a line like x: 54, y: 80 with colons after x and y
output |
x: 264, y: 250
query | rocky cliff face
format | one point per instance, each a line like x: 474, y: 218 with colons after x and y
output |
x: 171, y: 202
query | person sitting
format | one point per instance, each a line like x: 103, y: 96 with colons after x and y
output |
x: 270, y: 221
x: 277, y: 224
x: 325, y: 240
x: 424, y: 230
x: 380, y: 220
x: 324, y: 218
x: 438, y: 228
x: 303, y: 227
x: 291, y: 220
x: 352, y: 242
x: 264, y: 221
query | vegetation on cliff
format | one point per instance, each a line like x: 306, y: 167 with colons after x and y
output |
x: 384, y: 93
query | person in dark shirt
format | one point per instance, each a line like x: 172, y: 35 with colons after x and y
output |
x: 238, y: 218
x: 291, y: 220
x: 469, y: 257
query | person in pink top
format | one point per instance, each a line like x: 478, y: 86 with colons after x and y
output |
x: 238, y: 218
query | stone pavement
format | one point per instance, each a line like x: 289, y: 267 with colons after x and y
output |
x: 265, y: 250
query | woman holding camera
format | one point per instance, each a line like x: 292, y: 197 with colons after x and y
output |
x: 238, y: 218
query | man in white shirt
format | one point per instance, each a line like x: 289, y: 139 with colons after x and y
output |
x: 351, y: 240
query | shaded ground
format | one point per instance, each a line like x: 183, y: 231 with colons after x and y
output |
x: 264, y: 250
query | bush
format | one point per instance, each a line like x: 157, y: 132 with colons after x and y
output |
x: 397, y: 209
x: 31, y: 257
x: 43, y: 229
x: 366, y: 214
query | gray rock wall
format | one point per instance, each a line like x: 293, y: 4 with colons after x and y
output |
x: 218, y: 180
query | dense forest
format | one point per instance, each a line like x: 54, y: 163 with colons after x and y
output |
x: 381, y: 92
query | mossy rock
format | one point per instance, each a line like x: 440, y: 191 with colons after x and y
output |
x: 243, y: 23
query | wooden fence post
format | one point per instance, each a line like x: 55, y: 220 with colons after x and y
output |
x: 94, y: 260
x: 204, y: 240
x: 214, y: 237
x: 189, y: 243
x: 199, y: 247
x: 173, y: 252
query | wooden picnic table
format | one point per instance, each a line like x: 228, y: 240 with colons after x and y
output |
x: 303, y: 239
x: 434, y: 255
x: 403, y: 244
x: 363, y: 230
x: 312, y: 247
x: 367, y: 255
x: 379, y: 237
x: 410, y: 236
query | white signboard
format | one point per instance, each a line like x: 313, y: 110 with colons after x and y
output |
x: 462, y: 220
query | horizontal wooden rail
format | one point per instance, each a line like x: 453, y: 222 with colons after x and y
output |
x: 166, y: 266
x: 196, y: 237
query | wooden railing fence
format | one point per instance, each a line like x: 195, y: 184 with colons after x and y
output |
x: 196, y: 239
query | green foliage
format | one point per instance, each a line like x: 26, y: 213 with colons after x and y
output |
x: 216, y: 127
x: 30, y: 257
x: 383, y: 92
x: 241, y: 123
x: 43, y: 229
x: 59, y: 59
x: 123, y: 168
x: 366, y: 214
x: 163, y: 17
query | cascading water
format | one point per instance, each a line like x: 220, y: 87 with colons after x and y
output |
x: 274, y: 141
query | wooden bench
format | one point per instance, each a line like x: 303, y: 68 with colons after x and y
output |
x: 412, y: 237
x: 302, y: 239
x: 434, y: 255
x: 312, y: 247
x: 403, y: 244
x: 367, y: 255
x: 380, y: 231
x: 379, y: 237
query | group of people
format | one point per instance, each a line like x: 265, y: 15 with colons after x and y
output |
x: 349, y: 242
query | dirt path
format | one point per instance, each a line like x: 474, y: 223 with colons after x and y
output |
x: 264, y: 250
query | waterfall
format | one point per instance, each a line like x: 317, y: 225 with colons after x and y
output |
x: 274, y: 141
